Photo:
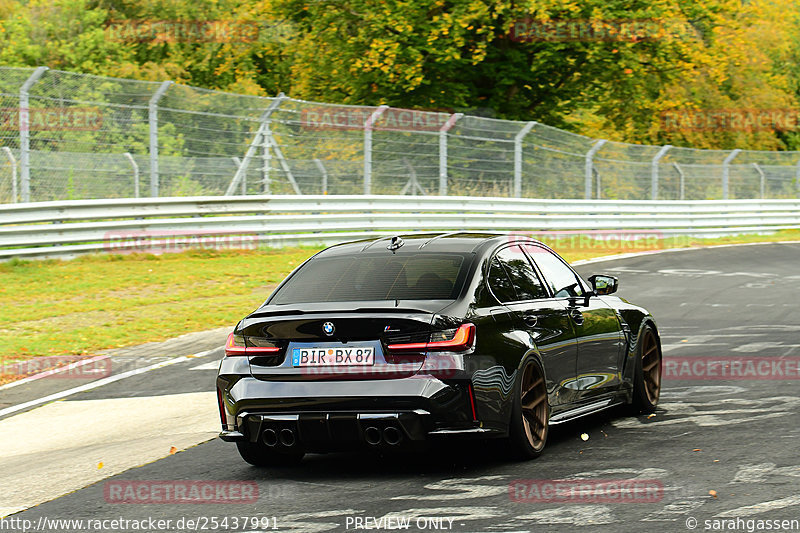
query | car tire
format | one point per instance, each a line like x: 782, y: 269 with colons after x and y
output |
x: 647, y: 372
x: 258, y: 454
x: 530, y: 413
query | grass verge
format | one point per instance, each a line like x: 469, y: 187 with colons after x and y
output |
x: 107, y: 301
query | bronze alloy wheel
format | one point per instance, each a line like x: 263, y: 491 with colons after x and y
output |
x: 534, y: 406
x: 651, y: 366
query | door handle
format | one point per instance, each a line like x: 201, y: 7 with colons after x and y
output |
x: 530, y: 320
x: 576, y: 315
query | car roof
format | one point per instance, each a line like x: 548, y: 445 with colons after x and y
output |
x: 462, y: 242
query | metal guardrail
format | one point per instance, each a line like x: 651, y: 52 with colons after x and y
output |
x: 48, y: 229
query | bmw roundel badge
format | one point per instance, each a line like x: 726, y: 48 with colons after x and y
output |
x: 328, y: 329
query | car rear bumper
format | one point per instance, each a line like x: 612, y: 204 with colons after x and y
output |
x: 329, y: 415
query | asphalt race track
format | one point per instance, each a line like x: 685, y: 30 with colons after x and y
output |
x: 737, y: 438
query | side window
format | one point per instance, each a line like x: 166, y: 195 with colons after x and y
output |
x: 499, y: 282
x: 523, y: 278
x: 561, y: 279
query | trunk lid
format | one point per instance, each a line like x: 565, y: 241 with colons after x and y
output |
x: 339, y: 330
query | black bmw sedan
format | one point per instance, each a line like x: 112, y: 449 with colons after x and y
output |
x: 393, y: 342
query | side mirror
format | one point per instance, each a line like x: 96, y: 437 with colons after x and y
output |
x: 603, y: 284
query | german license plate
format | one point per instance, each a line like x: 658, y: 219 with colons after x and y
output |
x: 349, y: 356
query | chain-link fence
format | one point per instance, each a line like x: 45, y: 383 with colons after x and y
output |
x: 73, y: 136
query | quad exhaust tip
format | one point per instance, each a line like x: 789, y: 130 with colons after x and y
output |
x: 269, y: 437
x: 284, y: 437
x: 287, y: 438
x: 392, y: 436
x: 372, y: 435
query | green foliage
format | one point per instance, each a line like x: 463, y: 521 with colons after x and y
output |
x: 442, y: 54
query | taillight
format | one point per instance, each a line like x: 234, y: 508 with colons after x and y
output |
x: 235, y: 346
x: 451, y: 340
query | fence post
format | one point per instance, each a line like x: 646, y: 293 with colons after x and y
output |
x: 263, y: 138
x: 152, y: 118
x: 368, y: 147
x: 762, y: 179
x: 135, y: 174
x: 654, y: 171
x: 518, y: 157
x: 266, y: 164
x: 726, y: 173
x: 13, y: 161
x: 237, y: 163
x: 443, y: 151
x: 797, y: 176
x: 24, y: 133
x: 324, y: 173
x: 589, y: 166
x: 682, y: 178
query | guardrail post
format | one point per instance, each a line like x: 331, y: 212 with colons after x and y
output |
x: 518, y: 157
x: 654, y: 171
x: 589, y: 166
x: 682, y: 178
x: 324, y: 173
x: 726, y: 166
x: 152, y: 118
x: 443, y: 151
x: 135, y: 174
x: 13, y: 162
x: 24, y: 133
x: 368, y: 147
x: 762, y: 180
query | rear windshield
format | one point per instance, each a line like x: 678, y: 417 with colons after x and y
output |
x: 426, y: 276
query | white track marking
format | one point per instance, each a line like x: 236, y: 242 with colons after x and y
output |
x: 90, y: 386
x: 53, y: 371
x: 763, y: 507
x: 578, y: 515
x: 674, y: 510
x: 458, y: 514
x: 605, y: 258
x: 755, y: 347
x: 728, y: 391
x: 629, y: 473
x: 460, y: 489
x: 668, y: 347
x: 212, y: 365
x: 299, y: 522
x: 760, y: 472
x: 717, y: 413
x: 72, y: 438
